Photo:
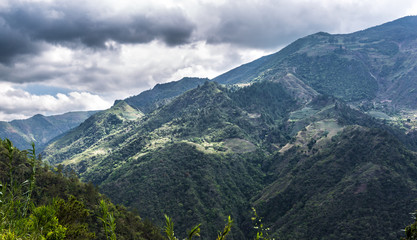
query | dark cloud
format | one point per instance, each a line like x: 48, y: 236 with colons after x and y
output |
x: 14, y: 43
x: 31, y: 72
x: 24, y: 26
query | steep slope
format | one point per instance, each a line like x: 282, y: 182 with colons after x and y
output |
x: 73, y: 204
x: 149, y: 100
x: 209, y: 115
x: 104, y: 124
x: 361, y: 185
x: 194, y: 158
x: 374, y: 65
x: 206, y: 154
x: 41, y: 129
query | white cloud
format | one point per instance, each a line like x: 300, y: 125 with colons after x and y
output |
x: 126, y: 69
x: 17, y: 103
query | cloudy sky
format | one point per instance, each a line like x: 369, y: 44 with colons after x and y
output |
x: 58, y: 55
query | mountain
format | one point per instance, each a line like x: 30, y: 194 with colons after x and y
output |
x: 307, y: 136
x: 99, y: 125
x: 375, y: 65
x: 41, y: 129
x: 187, y: 148
x: 149, y: 100
x: 202, y: 156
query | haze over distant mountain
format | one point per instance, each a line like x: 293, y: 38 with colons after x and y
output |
x: 41, y: 129
x: 319, y: 137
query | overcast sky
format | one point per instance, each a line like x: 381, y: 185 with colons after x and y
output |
x: 60, y: 56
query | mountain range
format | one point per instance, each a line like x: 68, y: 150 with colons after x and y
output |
x: 319, y: 138
x: 41, y: 129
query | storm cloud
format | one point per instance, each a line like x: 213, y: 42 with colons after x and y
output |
x: 24, y: 26
x: 14, y: 43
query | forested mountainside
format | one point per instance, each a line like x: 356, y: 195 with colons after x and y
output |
x: 347, y: 188
x: 208, y: 154
x: 318, y: 137
x: 41, y: 129
x: 42, y: 202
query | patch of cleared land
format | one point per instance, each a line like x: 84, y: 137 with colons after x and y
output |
x: 239, y: 145
x: 379, y: 115
x: 319, y: 132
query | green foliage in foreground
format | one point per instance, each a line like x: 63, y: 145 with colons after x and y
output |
x: 411, y: 232
x: 38, y: 203
x: 195, y: 231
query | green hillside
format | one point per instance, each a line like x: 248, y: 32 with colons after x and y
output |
x: 214, y: 152
x: 100, y: 125
x: 360, y: 185
x: 209, y: 134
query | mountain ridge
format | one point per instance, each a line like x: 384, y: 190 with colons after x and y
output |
x: 288, y: 133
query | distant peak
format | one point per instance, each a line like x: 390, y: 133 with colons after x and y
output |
x: 38, y: 116
x: 184, y: 80
x: 117, y: 102
x: 193, y: 78
x: 120, y: 104
x: 323, y: 34
x: 210, y: 85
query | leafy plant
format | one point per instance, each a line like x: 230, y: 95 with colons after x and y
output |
x: 411, y: 231
x: 261, y: 231
x: 226, y: 230
x: 169, y: 230
x: 108, y: 220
